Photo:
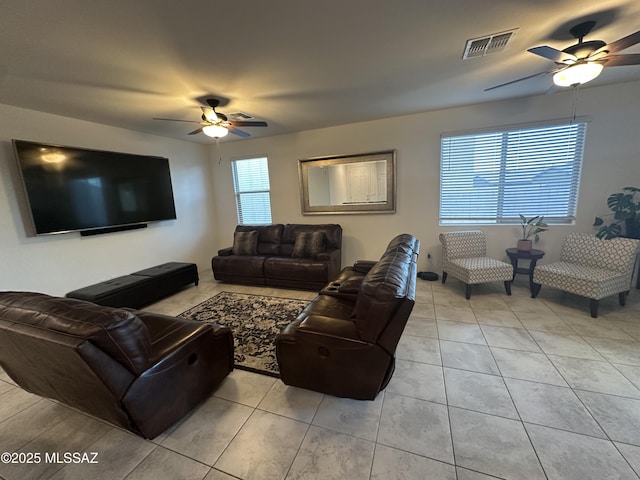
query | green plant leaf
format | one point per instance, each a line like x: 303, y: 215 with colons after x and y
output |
x: 615, y: 229
x: 614, y: 202
x: 621, y: 204
x: 623, y: 208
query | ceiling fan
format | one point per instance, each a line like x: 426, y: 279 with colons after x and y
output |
x: 584, y: 61
x: 216, y: 124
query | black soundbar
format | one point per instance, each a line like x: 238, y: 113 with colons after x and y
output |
x: 121, y: 228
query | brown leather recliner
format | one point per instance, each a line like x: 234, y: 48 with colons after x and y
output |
x: 138, y: 370
x: 343, y: 343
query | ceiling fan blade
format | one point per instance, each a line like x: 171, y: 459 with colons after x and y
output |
x: 598, y: 56
x: 250, y: 123
x: 175, y: 120
x: 554, y: 55
x: 523, y: 78
x: 198, y: 130
x: 209, y: 114
x: 621, y: 60
x: 240, y: 133
x: 623, y: 43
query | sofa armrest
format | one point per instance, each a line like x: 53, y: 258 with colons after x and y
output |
x: 321, y: 325
x: 328, y: 255
x: 180, y: 380
x: 171, y: 333
x: 333, y: 258
x: 363, y: 266
x: 225, y: 252
x: 216, y: 338
x: 319, y: 355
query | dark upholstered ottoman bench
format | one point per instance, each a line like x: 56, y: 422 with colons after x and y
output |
x: 170, y: 277
x: 140, y: 288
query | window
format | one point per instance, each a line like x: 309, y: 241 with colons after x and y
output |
x: 251, y: 185
x: 492, y: 177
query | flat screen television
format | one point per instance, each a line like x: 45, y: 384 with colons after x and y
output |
x: 74, y: 189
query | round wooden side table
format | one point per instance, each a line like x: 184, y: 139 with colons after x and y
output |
x: 532, y: 255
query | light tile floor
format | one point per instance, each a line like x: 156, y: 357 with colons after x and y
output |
x: 493, y: 387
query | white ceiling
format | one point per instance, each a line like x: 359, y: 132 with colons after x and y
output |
x: 296, y: 64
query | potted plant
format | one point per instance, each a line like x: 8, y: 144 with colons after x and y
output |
x: 626, y: 210
x: 531, y: 227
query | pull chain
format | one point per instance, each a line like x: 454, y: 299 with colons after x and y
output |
x: 574, y: 104
x: 218, y: 148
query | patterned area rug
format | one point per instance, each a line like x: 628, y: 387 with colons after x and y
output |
x: 255, y: 321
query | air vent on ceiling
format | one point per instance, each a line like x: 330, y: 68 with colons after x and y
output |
x: 497, y: 42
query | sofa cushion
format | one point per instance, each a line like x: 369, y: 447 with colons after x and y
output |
x: 295, y: 269
x: 117, y: 332
x: 269, y: 237
x: 332, y: 235
x: 251, y: 266
x: 585, y: 280
x: 308, y: 244
x: 245, y: 243
x: 585, y: 249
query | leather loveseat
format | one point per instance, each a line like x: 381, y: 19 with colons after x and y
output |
x: 343, y: 343
x: 138, y: 370
x: 291, y: 256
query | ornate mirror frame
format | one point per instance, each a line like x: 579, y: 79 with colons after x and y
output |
x: 348, y: 184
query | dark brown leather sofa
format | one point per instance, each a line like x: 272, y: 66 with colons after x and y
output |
x: 138, y: 370
x: 343, y: 343
x: 276, y: 256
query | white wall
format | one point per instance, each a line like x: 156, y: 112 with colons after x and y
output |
x: 57, y: 264
x: 207, y: 217
x: 611, y: 161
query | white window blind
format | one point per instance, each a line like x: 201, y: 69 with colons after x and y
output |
x: 492, y: 177
x: 251, y: 186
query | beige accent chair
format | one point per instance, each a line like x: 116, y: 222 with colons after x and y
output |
x: 464, y: 256
x: 590, y: 267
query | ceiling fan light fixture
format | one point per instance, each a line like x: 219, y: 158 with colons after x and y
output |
x: 215, y: 131
x: 578, y: 74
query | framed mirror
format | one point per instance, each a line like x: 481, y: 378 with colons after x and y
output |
x: 364, y: 183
